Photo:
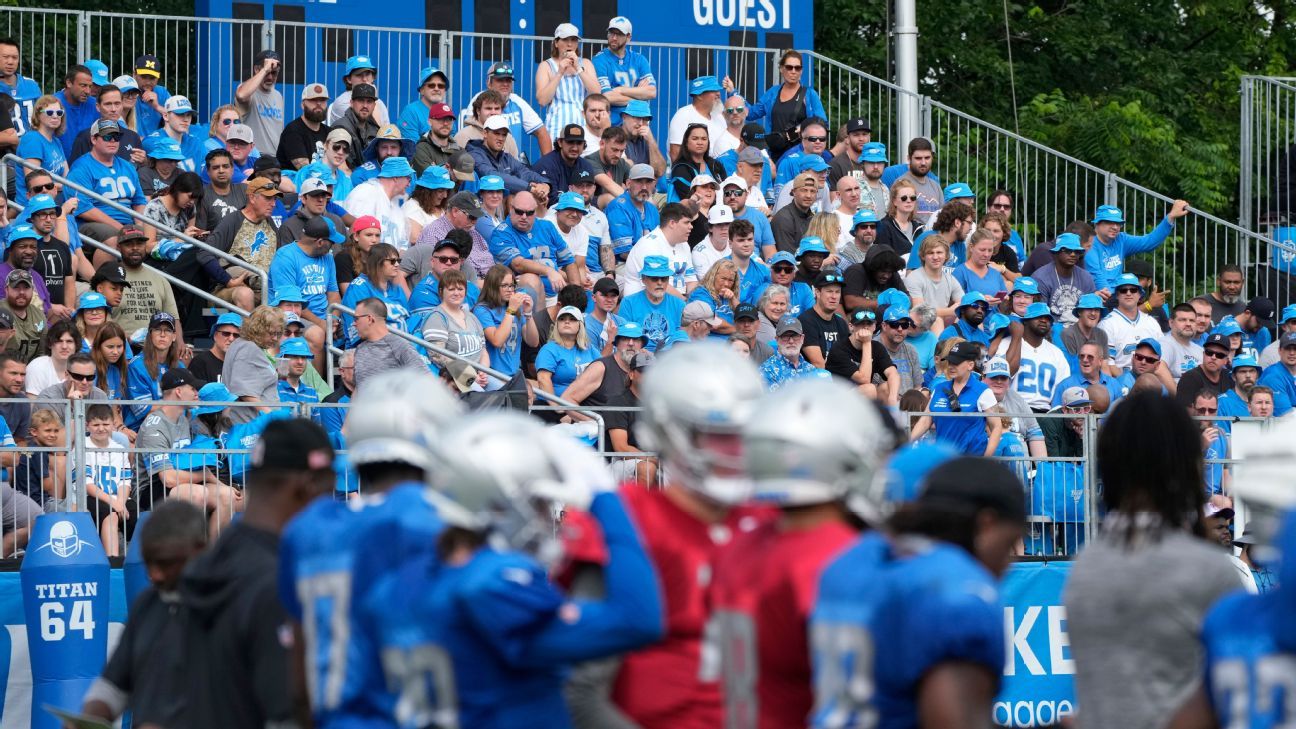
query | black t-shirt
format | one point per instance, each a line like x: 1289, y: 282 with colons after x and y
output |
x: 345, y: 268
x: 1194, y: 381
x: 7, y: 106
x: 215, y: 208
x: 842, y: 166
x: 299, y: 142
x: 53, y: 263
x: 1006, y: 257
x: 823, y: 333
x: 206, y: 367
x: 622, y: 419
x: 844, y: 360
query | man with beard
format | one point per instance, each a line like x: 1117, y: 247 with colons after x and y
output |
x: 53, y: 259
x: 790, y: 223
x: 1064, y: 281
x: 861, y: 234
x: 787, y: 364
x: 918, y: 171
x: 1181, y: 353
x: 359, y: 121
x: 20, y: 253
x: 1146, y: 361
x: 858, y: 134
x: 1212, y: 374
x: 1041, y: 365
x: 260, y: 103
x: 1235, y: 402
x: 641, y: 146
x: 607, y: 377
x: 1127, y: 325
x: 222, y: 196
x: 971, y: 313
x: 878, y: 272
x: 873, y: 160
x: 435, y: 146
x: 28, y: 319
x: 147, y: 292
x: 304, y: 136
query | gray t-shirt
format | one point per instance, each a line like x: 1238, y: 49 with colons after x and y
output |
x: 1134, y: 614
x: 930, y: 197
x: 158, y: 437
x: 214, y: 207
x: 264, y: 115
x: 248, y: 373
x: 59, y: 392
x: 1180, y: 358
x: 940, y: 294
x: 389, y: 353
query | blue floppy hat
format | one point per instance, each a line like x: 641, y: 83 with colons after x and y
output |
x: 393, y: 167
x: 811, y: 244
x: 1088, y: 301
x: 1037, y: 310
x: 958, y: 191
x: 571, y: 201
x: 40, y: 202
x: 294, y: 347
x: 213, y: 392
x: 703, y: 84
x: 862, y: 217
x: 355, y: 63
x: 656, y: 267
x: 1067, y: 242
x: 435, y: 177
x: 230, y: 319
x: 873, y: 152
x: 1026, y: 285
x: 490, y: 183
x: 92, y: 300
x: 1108, y: 214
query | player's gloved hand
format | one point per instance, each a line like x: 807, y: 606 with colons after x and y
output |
x: 584, y: 474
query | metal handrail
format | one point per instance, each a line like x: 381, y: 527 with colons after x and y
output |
x: 819, y: 58
x: 265, y: 276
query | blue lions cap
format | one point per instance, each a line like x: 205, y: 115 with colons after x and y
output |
x: 863, y: 217
x: 166, y: 148
x: 631, y: 330
x: 571, y: 201
x: 1152, y: 343
x: 1127, y: 279
x: 291, y: 319
x: 294, y: 347
x: 637, y: 108
x: 873, y: 152
x: 997, y: 322
x: 1288, y: 314
x: 1108, y: 214
x: 334, y: 235
x: 1088, y: 301
x: 1067, y: 242
x: 22, y: 231
x: 1037, y: 310
x: 812, y: 163
x: 897, y: 313
x: 393, y: 167
x: 908, y: 468
x: 213, y: 392
x: 811, y: 244
x: 703, y: 84
x: 958, y: 191
x: 1245, y: 360
x: 435, y: 177
x: 781, y: 257
x: 39, y: 203
x: 1026, y: 285
x: 228, y: 319
x: 997, y: 367
x: 355, y: 63
x: 894, y: 297
x: 970, y: 298
x: 490, y: 183
x: 656, y: 267
x: 1227, y: 326
x: 287, y: 292
x: 98, y: 72
x: 92, y: 300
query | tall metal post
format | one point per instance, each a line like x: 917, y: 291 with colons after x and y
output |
x: 906, y: 71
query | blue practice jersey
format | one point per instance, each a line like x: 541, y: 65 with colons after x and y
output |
x: 330, y: 556
x: 1250, y: 680
x: 889, y: 613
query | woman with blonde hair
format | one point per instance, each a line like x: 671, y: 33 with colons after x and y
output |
x: 249, y: 370
x: 827, y: 227
x: 567, y: 353
x: 719, y: 290
x: 39, y: 145
x: 222, y: 119
x: 899, y: 228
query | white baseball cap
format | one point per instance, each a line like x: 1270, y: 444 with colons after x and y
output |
x: 497, y: 122
x: 702, y: 179
x: 621, y: 23
x: 736, y: 181
x: 566, y: 30
x: 313, y: 184
x: 720, y: 214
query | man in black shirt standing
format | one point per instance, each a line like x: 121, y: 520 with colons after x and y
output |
x: 305, y: 135
x: 864, y: 361
x: 824, y: 326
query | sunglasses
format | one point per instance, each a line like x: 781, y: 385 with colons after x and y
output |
x: 783, y: 269
x: 737, y: 110
x: 111, y: 138
x: 734, y: 193
x: 902, y: 324
x: 815, y: 139
x: 1206, y: 411
x: 1001, y: 206
x: 43, y: 188
x: 228, y: 122
x: 231, y: 335
x: 1143, y: 358
x: 524, y: 213
x: 1127, y: 290
x: 434, y: 86
x: 80, y: 377
x: 447, y: 260
x: 1215, y: 353
x: 341, y: 147
x: 394, y: 261
x: 52, y: 112
x: 791, y: 68
x: 907, y: 198
x: 1090, y: 356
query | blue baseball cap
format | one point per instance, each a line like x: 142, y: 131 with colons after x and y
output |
x: 393, y: 167
x: 656, y: 267
x: 1151, y: 342
x: 1026, y: 285
x: 970, y: 298
x: 908, y: 468
x: 92, y: 300
x: 294, y: 347
x: 1088, y: 301
x: 703, y: 84
x: 292, y: 319
x: 637, y: 108
x: 1108, y: 214
x: 997, y: 367
x: 873, y: 152
x: 863, y: 217
x: 19, y: 232
x: 897, y: 313
x: 334, y: 235
x: 997, y: 322
x: 435, y: 177
x: 228, y: 319
x: 894, y: 297
x: 39, y: 203
x: 1127, y: 279
x: 213, y: 392
x: 428, y: 72
x: 1037, y: 310
x: 490, y: 183
x: 1227, y: 326
x: 631, y: 330
x: 781, y: 257
x: 1288, y: 314
x: 98, y: 72
x: 571, y: 201
x: 1245, y: 360
x: 287, y: 292
x: 1067, y: 242
x: 355, y: 63
x: 958, y: 191
x: 811, y: 244
x: 166, y: 148
x: 812, y: 163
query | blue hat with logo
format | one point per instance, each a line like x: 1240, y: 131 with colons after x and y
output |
x: 873, y: 152
x: 22, y: 231
x: 631, y: 330
x: 294, y: 347
x: 1088, y: 301
x: 317, y: 171
x: 490, y: 183
x: 864, y: 217
x: 812, y: 163
x: 1026, y: 285
x: 1067, y: 242
x: 971, y: 298
x: 39, y: 203
x: 435, y: 177
x: 997, y: 323
x: 781, y: 257
x: 287, y: 292
x: 292, y: 319
x: 1288, y: 314
x: 894, y: 297
x: 703, y: 84
x: 908, y: 468
x: 213, y: 392
x: 355, y: 63
x: 98, y: 71
x: 428, y: 72
x: 1108, y: 214
x: 1245, y: 360
x: 228, y: 319
x: 1227, y: 326
x: 1037, y: 310
x: 897, y: 313
x: 811, y: 244
x: 334, y: 235
x: 656, y: 267
x: 997, y: 367
x: 166, y: 148
x: 1150, y: 342
x: 637, y: 108
x: 393, y: 167
x: 1127, y: 279
x: 92, y: 300
x: 958, y: 191
x: 571, y: 201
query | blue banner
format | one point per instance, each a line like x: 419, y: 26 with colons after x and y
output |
x: 1038, y: 687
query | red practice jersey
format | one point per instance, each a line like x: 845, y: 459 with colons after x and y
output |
x: 765, y: 586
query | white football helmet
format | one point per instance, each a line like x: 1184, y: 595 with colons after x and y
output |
x: 704, y: 388
x: 1267, y: 473
x: 515, y: 476
x: 392, y: 414
x: 816, y: 441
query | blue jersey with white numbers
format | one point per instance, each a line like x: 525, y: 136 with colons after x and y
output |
x: 330, y: 556
x: 889, y: 613
x: 1250, y: 681
x: 118, y: 183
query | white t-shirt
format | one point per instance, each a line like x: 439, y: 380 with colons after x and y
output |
x: 1269, y: 356
x: 577, y: 238
x: 370, y: 199
x: 1042, y: 369
x: 40, y: 375
x: 844, y: 238
x: 1180, y: 358
x: 596, y: 225
x: 1124, y: 334
x: 687, y: 115
x: 108, y: 467
x: 726, y: 143
x: 705, y: 256
x: 414, y: 213
x: 655, y: 244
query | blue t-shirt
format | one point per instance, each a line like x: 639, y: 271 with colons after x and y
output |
x: 117, y: 182
x: 626, y: 225
x: 506, y: 358
x: 426, y: 295
x: 143, y: 388
x: 1106, y: 261
x: 722, y: 309
x: 543, y: 244
x: 191, y: 146
x: 316, y: 276
x: 1213, y: 473
x: 34, y: 145
x: 658, y: 320
x: 1248, y: 674
x: 989, y: 285
x: 1114, y: 389
x: 627, y: 71
x: 413, y: 120
x: 148, y: 119
x: 800, y: 297
x: 752, y: 281
x: 962, y: 329
x: 565, y: 364
x: 77, y: 117
x: 1283, y: 383
x: 24, y: 93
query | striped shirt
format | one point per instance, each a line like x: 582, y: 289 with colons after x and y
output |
x: 569, y: 97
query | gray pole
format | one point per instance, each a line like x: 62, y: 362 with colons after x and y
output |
x: 906, y: 72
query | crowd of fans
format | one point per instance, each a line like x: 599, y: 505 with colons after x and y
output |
x: 757, y: 222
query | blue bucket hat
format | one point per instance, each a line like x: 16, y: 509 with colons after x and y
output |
x: 873, y: 152
x: 781, y: 257
x: 294, y: 347
x: 355, y: 63
x: 631, y: 330
x: 287, y: 292
x: 39, y: 203
x: 862, y: 217
x: 228, y: 319
x: 22, y: 231
x: 213, y: 392
x: 435, y: 177
x: 571, y: 201
x: 1108, y: 214
x: 490, y: 183
x: 91, y: 300
x: 997, y: 322
x: 1088, y: 301
x: 1245, y: 360
x: 1067, y: 242
x: 894, y: 297
x: 958, y: 191
x: 1026, y: 285
x: 1127, y: 279
x: 98, y: 72
x: 428, y: 72
x: 166, y: 148
x: 812, y: 163
x: 656, y: 267
x: 316, y: 171
x: 970, y: 298
x: 395, y: 167
x: 1288, y: 314
x: 703, y: 84
x: 1036, y: 310
x: 811, y: 244
x: 637, y: 108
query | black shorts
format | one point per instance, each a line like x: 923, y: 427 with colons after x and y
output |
x: 100, y: 511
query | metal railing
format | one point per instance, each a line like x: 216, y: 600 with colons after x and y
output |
x: 848, y: 93
x: 1267, y: 185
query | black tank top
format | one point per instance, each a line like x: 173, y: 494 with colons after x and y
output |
x: 615, y: 381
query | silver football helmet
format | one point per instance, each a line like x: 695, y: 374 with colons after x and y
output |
x: 392, y: 415
x: 691, y: 392
x: 816, y: 441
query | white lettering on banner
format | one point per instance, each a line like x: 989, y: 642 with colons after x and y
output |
x: 54, y: 628
x: 743, y: 13
x: 67, y: 589
x: 1018, y: 636
x: 1026, y: 714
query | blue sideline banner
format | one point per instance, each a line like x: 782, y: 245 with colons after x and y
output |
x: 1038, y: 687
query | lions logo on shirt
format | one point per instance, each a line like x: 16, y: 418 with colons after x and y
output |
x: 258, y: 242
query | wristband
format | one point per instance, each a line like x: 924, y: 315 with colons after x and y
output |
x: 511, y: 312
